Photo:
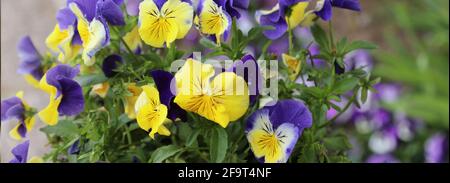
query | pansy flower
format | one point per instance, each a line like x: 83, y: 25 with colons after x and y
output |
x: 286, y: 14
x: 213, y: 20
x: 324, y: 7
x: 101, y: 89
x: 17, y: 108
x: 30, y: 61
x: 223, y: 99
x: 92, y: 17
x: 132, y: 7
x: 64, y: 38
x: 66, y: 95
x: 155, y: 105
x: 274, y: 130
x: 20, y: 153
x: 161, y: 22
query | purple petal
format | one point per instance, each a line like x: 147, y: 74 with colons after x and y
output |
x: 76, y: 39
x: 164, y: 83
x: 112, y: 13
x: 159, y: 3
x: 87, y: 7
x: 436, y: 148
x: 133, y: 7
x: 8, y: 104
x: 65, y: 18
x: 22, y: 130
x: 175, y: 111
x: 382, y: 158
x: 279, y: 26
x: 347, y: 4
x: 290, y: 111
x: 326, y: 12
x: 74, y: 148
x: 249, y: 70
x: 110, y: 64
x: 17, y: 111
x: 29, y: 58
x: 72, y: 102
x: 279, y: 46
x: 20, y: 152
x: 55, y: 74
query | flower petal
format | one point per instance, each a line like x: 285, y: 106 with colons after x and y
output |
x: 72, y: 102
x: 111, y: 12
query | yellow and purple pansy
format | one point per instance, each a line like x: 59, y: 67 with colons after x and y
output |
x: 213, y: 20
x: 65, y: 39
x: 273, y: 131
x: 223, y: 99
x: 324, y: 7
x: 17, y: 108
x: 155, y: 105
x: 20, y: 153
x: 285, y: 15
x: 161, y: 22
x: 30, y: 61
x: 92, y: 18
x: 66, y: 95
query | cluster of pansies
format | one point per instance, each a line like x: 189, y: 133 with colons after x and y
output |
x: 128, y: 54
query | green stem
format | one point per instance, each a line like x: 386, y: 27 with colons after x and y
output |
x: 330, y: 32
x: 291, y: 41
x: 124, y: 43
x: 349, y: 103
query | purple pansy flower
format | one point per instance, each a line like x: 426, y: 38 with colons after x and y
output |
x: 20, y: 152
x: 111, y: 63
x: 30, y: 61
x: 436, y: 149
x: 324, y: 8
x: 66, y: 95
x: 15, y: 108
x: 165, y: 83
x: 274, y: 130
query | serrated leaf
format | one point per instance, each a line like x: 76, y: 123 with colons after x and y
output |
x: 320, y: 36
x: 359, y: 45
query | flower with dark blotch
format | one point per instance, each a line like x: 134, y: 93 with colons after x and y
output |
x: 92, y: 18
x: 324, y: 7
x: 16, y: 108
x: 273, y: 131
x: 66, y: 95
x: 30, y: 61
x: 161, y: 22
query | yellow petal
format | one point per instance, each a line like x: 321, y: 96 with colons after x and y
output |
x: 132, y: 39
x: 231, y: 91
x: 82, y: 24
x: 182, y: 12
x: 101, y: 89
x: 224, y: 100
x: 36, y: 159
x: 14, y: 133
x: 265, y: 144
x: 31, y: 80
x: 297, y: 14
x: 49, y: 114
x: 212, y: 20
x: 294, y: 66
x: 55, y: 38
x: 97, y: 36
x: 130, y: 101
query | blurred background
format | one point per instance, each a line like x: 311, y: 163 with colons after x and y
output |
x: 407, y: 120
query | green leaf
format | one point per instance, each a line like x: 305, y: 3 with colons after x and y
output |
x: 207, y: 43
x: 162, y: 153
x: 192, y: 138
x: 359, y: 45
x: 218, y: 144
x: 339, y: 143
x: 320, y: 36
x: 64, y: 128
x: 89, y: 80
x: 345, y: 85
